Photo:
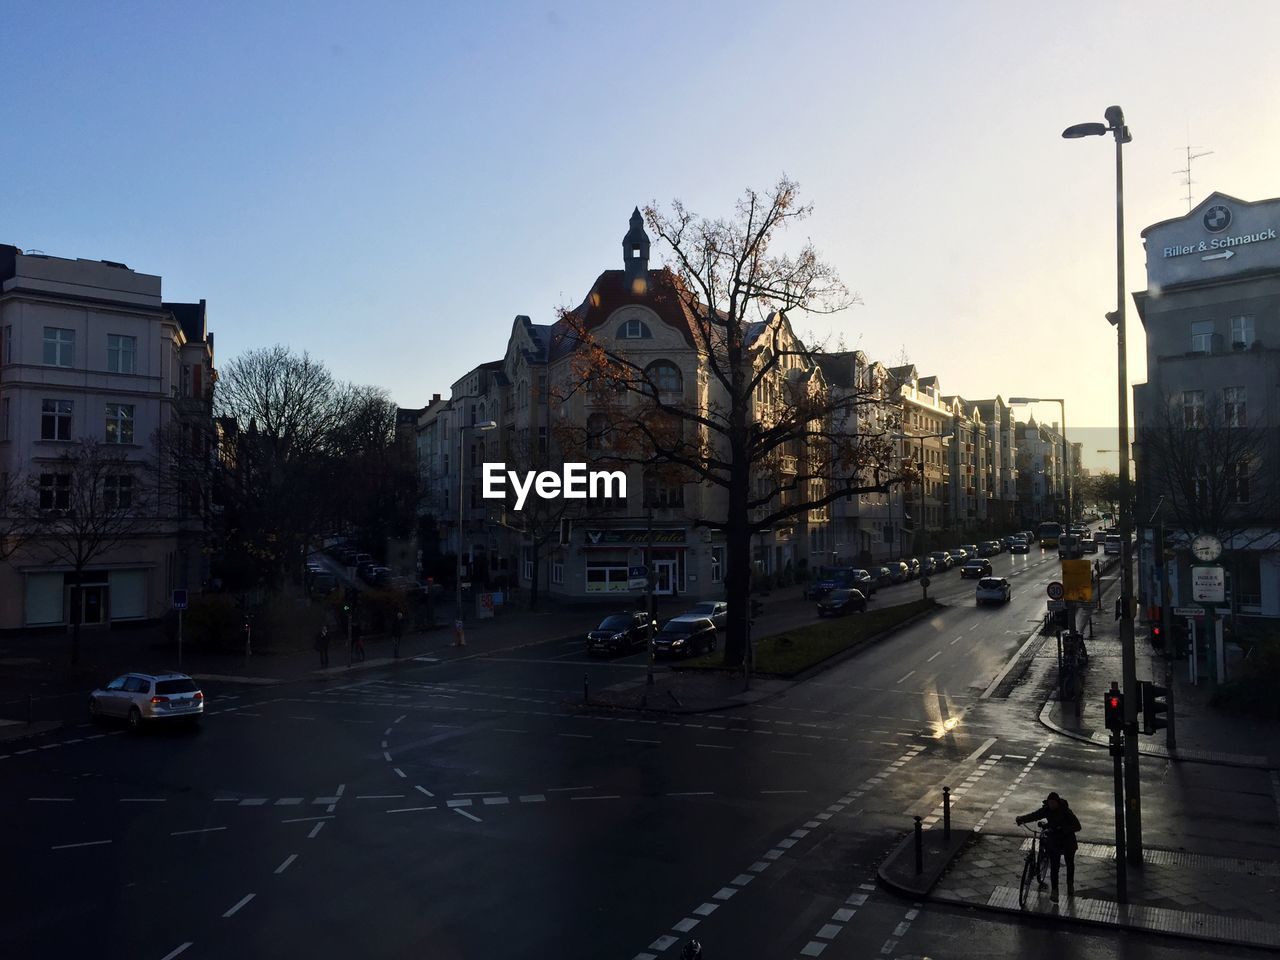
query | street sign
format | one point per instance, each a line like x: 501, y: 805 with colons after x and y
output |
x: 1056, y: 605
x: 1208, y: 584
x: 1077, y: 578
x: 637, y: 578
x: 1055, y: 590
x: 1188, y: 611
x: 180, y: 599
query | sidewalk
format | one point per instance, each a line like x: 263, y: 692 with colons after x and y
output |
x: 1203, y: 733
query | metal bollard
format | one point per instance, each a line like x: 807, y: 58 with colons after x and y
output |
x: 919, y: 846
x: 946, y: 814
x: 586, y: 689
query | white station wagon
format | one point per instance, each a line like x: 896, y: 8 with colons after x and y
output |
x: 145, y: 697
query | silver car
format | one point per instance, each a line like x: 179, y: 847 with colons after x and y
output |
x: 144, y: 697
x: 717, y: 611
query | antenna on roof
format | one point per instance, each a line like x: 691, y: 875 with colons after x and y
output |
x: 1186, y: 171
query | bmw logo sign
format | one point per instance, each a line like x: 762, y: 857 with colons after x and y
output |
x: 1217, y: 218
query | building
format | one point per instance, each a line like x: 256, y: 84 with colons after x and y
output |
x: 1002, y: 462
x: 926, y: 426
x: 1207, y: 421
x: 89, y: 351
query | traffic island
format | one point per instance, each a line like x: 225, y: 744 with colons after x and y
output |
x: 917, y: 863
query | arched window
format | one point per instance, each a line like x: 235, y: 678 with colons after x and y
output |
x: 665, y: 376
x: 634, y: 329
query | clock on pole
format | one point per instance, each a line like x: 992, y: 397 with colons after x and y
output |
x: 1206, y: 548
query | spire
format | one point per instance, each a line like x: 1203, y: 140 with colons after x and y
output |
x: 635, y: 254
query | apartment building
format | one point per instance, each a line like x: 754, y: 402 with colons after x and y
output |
x: 89, y: 351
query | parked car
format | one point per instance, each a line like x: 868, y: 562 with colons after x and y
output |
x: 842, y: 601
x: 914, y: 567
x: 993, y: 590
x: 717, y: 611
x: 899, y: 572
x: 977, y: 567
x: 1019, y: 545
x: 685, y: 638
x: 831, y: 578
x: 864, y: 581
x: 143, y: 698
x: 620, y: 632
x: 971, y: 549
x: 959, y: 555
x: 942, y: 560
x: 928, y: 566
x: 988, y: 548
x: 881, y: 576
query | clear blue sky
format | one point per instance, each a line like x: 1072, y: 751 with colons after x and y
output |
x: 388, y: 185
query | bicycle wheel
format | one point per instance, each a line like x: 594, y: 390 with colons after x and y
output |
x: 1024, y: 887
x: 1042, y: 867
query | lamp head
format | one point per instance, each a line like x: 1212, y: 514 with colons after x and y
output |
x: 1079, y: 130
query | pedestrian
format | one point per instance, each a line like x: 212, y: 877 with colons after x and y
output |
x: 357, y: 642
x: 322, y: 644
x: 397, y: 628
x: 1059, y: 839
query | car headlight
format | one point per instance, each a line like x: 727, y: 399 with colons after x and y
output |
x: 676, y: 643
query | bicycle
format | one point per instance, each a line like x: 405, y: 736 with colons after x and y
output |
x: 1035, y: 865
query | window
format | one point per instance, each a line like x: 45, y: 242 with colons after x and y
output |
x: 1193, y: 409
x: 662, y: 492
x: 634, y: 329
x: 55, y: 420
x: 122, y: 353
x: 542, y: 439
x: 1233, y: 406
x: 1202, y: 336
x: 119, y: 423
x: 1237, y: 477
x: 117, y: 492
x: 557, y: 568
x: 59, y: 347
x: 1242, y: 331
x: 55, y: 491
x: 665, y: 377
x: 717, y: 564
x: 526, y: 564
x: 6, y: 345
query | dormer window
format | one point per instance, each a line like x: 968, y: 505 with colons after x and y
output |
x: 635, y: 329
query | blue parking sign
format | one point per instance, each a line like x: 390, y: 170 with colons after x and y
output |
x: 179, y: 599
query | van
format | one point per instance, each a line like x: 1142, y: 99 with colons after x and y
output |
x: 1068, y: 546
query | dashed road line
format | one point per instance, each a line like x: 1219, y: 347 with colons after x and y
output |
x: 185, y: 833
x: 177, y: 951
x: 469, y: 816
x: 286, y: 864
x: 73, y: 846
x: 236, y: 909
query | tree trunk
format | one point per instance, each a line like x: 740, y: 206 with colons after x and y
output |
x: 737, y: 571
x: 75, y: 622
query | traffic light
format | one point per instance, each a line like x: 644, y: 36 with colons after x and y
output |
x: 1155, y: 706
x: 1113, y: 706
x: 1157, y: 635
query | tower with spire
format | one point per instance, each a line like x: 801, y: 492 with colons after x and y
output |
x: 635, y: 255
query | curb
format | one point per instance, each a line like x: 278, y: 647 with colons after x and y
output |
x: 36, y: 729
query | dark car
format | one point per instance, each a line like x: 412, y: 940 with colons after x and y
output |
x: 959, y: 555
x: 684, y: 638
x: 1019, y: 545
x: 942, y: 560
x: 977, y: 567
x: 830, y: 578
x: 928, y: 566
x: 866, y: 581
x: 988, y: 548
x: 619, y: 633
x: 842, y: 601
x: 899, y: 572
x: 914, y: 567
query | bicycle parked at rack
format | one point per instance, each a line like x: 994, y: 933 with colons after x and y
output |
x: 1036, y: 864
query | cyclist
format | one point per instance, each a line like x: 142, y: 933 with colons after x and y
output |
x: 1059, y: 839
x: 692, y: 951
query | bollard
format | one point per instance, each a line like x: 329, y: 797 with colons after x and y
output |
x: 919, y: 846
x: 946, y: 814
x: 586, y: 689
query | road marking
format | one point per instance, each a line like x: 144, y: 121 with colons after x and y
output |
x: 635, y: 740
x: 712, y: 746
x: 185, y: 833
x: 232, y: 912
x: 685, y: 925
x: 508, y: 730
x: 954, y: 642
x: 579, y: 736
x: 533, y: 798
x: 692, y: 793
x: 386, y: 756
x: 315, y: 830
x: 51, y: 799
x: 724, y: 893
x: 469, y: 816
x: 142, y: 799
x: 399, y: 772
x: 285, y: 866
x: 409, y: 809
x: 177, y: 951
x: 606, y: 796
x: 496, y: 801
x: 906, y: 677
x: 288, y: 801
x: 72, y: 846
x: 560, y: 789
x: 424, y: 790
x: 792, y: 753
x: 480, y: 793
x: 379, y: 796
x: 981, y: 750
x: 768, y: 792
x: 934, y: 657
x: 306, y: 819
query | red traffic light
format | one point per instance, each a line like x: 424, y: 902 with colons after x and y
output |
x: 1113, y: 702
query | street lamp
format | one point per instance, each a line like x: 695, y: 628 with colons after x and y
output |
x: 1116, y: 126
x: 1066, y: 459
x: 462, y: 428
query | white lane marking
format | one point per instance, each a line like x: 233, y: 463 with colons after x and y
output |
x: 386, y: 733
x: 560, y: 789
x: 792, y: 753
x: 232, y: 912
x: 605, y: 796
x: 384, y: 744
x: 576, y: 736
x: 768, y: 792
x: 424, y: 790
x: 905, y: 677
x: 399, y: 772
x: 685, y: 925
x: 315, y: 830
x: 252, y: 802
x: 712, y: 746
x: 177, y: 951
x: 386, y: 756
x: 288, y: 801
x: 142, y: 799
x: 51, y: 799
x: 409, y: 809
x: 934, y: 657
x: 636, y: 740
x: 469, y: 816
x: 954, y: 642
x: 458, y: 803
x: 72, y: 846
x: 305, y: 819
x: 533, y: 798
x: 496, y: 801
x: 692, y: 793
x: 379, y: 796
x: 401, y: 717
x: 287, y: 861
x: 724, y: 893
x: 480, y: 793
x: 981, y: 750
x: 185, y: 833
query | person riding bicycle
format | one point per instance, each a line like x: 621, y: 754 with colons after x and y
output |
x: 1059, y: 839
x: 692, y: 951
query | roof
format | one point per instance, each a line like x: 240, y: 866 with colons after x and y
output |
x: 192, y: 318
x: 840, y: 369
x: 663, y: 295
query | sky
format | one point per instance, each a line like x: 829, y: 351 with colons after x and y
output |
x: 387, y: 185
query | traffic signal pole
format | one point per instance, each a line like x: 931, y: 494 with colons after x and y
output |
x: 1113, y: 711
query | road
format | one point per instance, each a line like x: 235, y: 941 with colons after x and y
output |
x: 472, y: 809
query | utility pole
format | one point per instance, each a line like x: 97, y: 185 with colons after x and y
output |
x: 650, y: 600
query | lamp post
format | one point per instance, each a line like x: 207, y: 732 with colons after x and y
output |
x: 1116, y: 126
x: 1066, y: 458
x: 462, y: 466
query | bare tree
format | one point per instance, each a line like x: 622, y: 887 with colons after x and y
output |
x: 803, y: 448
x: 90, y: 503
